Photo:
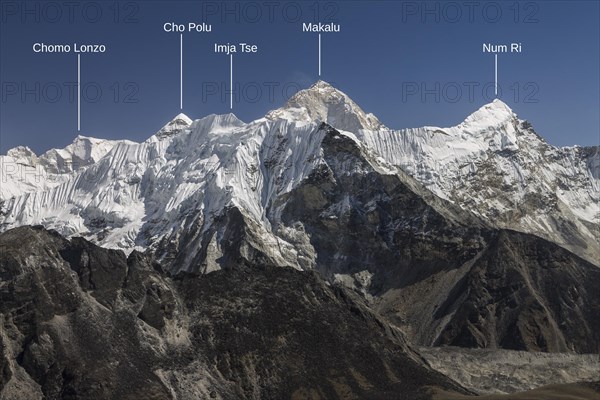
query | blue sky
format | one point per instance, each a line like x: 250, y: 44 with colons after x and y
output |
x: 411, y: 63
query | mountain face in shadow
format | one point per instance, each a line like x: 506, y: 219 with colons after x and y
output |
x: 83, y: 322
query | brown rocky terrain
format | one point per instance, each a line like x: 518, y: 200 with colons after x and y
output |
x: 82, y: 322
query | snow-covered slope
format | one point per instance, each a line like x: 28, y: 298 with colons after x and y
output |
x: 140, y: 193
x: 23, y: 171
x: 494, y: 164
x: 175, y: 188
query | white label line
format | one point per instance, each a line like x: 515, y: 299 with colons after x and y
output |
x: 231, y: 81
x: 78, y: 92
x: 496, y: 74
x: 181, y: 71
x: 319, y: 54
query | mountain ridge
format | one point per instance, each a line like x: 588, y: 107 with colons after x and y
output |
x: 492, y: 171
x: 463, y: 236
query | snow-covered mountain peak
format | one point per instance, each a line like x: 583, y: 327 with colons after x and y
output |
x: 175, y: 126
x: 22, y: 155
x: 22, y: 171
x: 84, y: 146
x: 490, y: 115
x: 324, y: 103
x: 80, y: 138
x: 183, y: 117
x: 217, y: 123
x: 83, y: 151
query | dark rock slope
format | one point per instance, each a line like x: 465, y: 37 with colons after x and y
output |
x: 436, y: 270
x: 81, y: 322
x: 525, y: 293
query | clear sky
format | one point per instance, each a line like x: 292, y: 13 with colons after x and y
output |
x: 411, y: 63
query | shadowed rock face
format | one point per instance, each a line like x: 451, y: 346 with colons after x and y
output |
x: 68, y: 314
x: 525, y: 293
x: 521, y: 293
x: 359, y: 218
x: 83, y: 322
x: 437, y: 271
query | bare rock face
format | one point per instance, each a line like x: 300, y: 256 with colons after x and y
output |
x: 360, y: 218
x: 437, y: 271
x: 81, y: 322
x: 525, y: 293
x: 68, y: 327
